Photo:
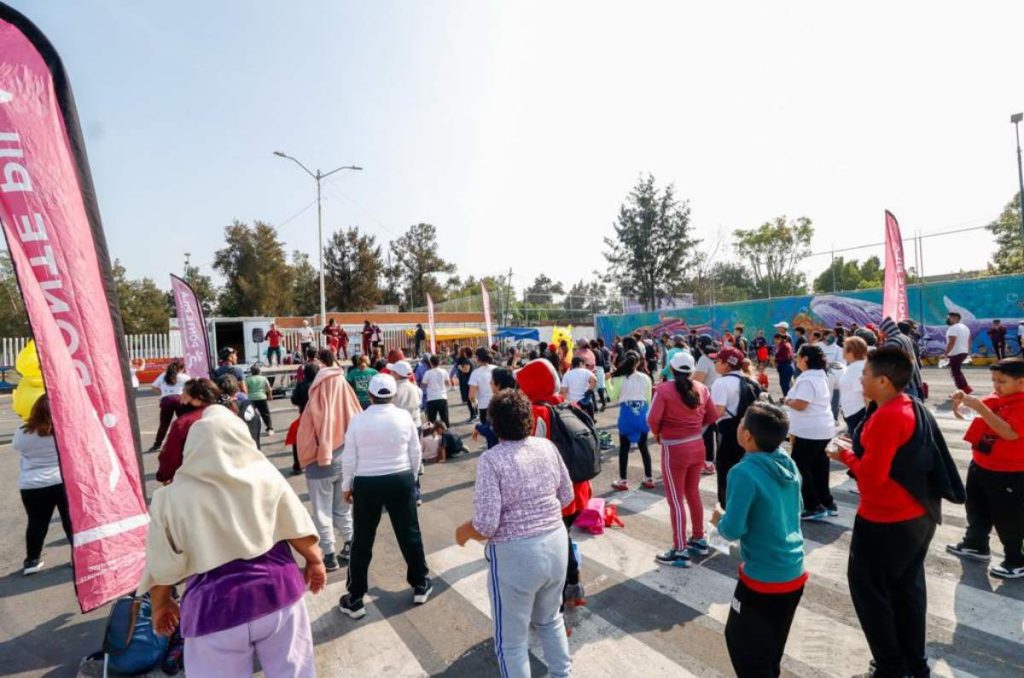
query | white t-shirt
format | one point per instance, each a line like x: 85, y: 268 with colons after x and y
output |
x: 39, y: 465
x: 851, y: 391
x: 577, y: 380
x: 635, y: 387
x: 833, y: 353
x: 815, y: 422
x: 962, y: 336
x: 168, y: 389
x: 707, y: 366
x: 481, y: 378
x: 727, y: 392
x: 435, y: 381
x: 306, y: 335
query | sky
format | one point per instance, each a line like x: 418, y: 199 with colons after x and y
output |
x: 518, y: 128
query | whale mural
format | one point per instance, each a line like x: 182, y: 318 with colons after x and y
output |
x: 979, y: 302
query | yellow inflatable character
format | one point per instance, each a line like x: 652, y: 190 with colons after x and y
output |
x: 560, y: 334
x: 31, y: 385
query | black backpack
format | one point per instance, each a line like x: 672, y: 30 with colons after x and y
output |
x: 574, y: 434
x: 750, y: 393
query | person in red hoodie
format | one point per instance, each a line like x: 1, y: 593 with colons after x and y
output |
x: 539, y: 382
x: 995, y: 479
x: 893, y: 529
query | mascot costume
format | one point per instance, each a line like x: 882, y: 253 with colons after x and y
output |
x: 30, y: 388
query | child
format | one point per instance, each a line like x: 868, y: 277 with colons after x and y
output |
x: 995, y: 479
x: 762, y: 376
x: 764, y: 515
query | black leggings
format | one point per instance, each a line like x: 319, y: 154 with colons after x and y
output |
x: 39, y: 504
x: 263, y: 407
x: 572, y: 571
x: 645, y: 454
x: 813, y: 463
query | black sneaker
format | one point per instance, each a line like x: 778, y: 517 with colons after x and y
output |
x: 155, y: 448
x: 33, y: 566
x: 421, y: 594
x: 330, y: 562
x: 346, y: 552
x: 354, y: 609
x: 965, y: 551
x: 832, y: 511
x: 674, y: 558
x: 1005, y: 571
x: 698, y: 547
x: 816, y: 514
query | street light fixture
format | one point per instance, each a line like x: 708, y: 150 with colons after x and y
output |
x: 1016, y: 119
x: 318, y: 176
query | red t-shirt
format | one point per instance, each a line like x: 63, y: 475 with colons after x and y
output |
x: 882, y: 499
x: 274, y: 337
x: 1006, y: 455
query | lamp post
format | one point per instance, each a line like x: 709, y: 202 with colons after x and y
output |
x: 1016, y: 119
x: 317, y: 176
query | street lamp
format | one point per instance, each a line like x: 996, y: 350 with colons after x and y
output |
x: 1016, y: 119
x: 317, y: 176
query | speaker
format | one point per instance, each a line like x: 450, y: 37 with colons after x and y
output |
x: 257, y: 335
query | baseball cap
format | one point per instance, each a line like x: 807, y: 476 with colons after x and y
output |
x: 729, y: 355
x: 226, y: 352
x: 383, y: 386
x: 784, y: 325
x: 401, y: 368
x: 682, y: 361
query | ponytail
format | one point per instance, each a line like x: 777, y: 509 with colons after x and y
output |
x: 171, y: 373
x: 684, y: 386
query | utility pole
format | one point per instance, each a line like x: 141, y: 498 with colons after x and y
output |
x: 188, y: 265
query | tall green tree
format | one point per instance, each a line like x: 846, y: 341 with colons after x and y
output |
x: 543, y: 290
x: 726, y: 281
x: 204, y: 288
x: 653, y: 248
x: 1009, y: 254
x: 416, y: 264
x: 13, y: 321
x: 143, y: 305
x: 256, y: 270
x: 585, y: 299
x: 773, y: 251
x: 354, y: 267
x: 305, y: 285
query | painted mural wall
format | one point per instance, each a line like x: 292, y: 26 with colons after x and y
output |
x: 978, y: 301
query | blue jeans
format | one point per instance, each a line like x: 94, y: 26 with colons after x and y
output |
x: 786, y: 373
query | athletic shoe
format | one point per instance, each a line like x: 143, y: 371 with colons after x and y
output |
x: 1005, y: 572
x: 353, y: 608
x: 709, y: 468
x: 698, y: 547
x: 330, y: 562
x: 674, y: 558
x: 620, y: 485
x: 832, y: 511
x: 817, y: 514
x: 296, y: 471
x: 155, y: 448
x: 648, y: 484
x: 419, y: 502
x: 270, y: 431
x: 965, y: 551
x: 33, y: 566
x: 346, y: 552
x: 573, y: 594
x: 421, y: 594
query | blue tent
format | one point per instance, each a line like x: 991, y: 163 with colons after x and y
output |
x: 518, y: 333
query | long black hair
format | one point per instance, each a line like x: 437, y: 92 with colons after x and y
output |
x: 684, y: 386
x: 171, y: 373
x: 630, y: 363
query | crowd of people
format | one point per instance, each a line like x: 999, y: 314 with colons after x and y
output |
x: 367, y: 426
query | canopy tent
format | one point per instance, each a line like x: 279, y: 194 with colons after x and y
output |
x: 453, y: 333
x: 518, y: 333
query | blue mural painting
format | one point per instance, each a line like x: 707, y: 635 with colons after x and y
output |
x: 978, y: 301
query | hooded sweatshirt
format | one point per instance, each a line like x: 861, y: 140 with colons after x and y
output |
x: 764, y: 514
x: 332, y: 405
x: 894, y: 337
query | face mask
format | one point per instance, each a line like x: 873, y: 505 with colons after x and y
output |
x: 949, y: 321
x: 830, y: 341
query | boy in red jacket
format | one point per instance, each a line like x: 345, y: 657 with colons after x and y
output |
x: 995, y: 479
x: 892, y: 530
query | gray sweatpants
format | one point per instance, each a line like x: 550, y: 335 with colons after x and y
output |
x: 327, y: 501
x: 525, y: 587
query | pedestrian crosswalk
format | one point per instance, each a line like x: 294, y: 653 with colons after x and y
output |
x: 644, y: 619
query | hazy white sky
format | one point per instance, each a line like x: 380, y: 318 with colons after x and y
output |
x: 517, y: 128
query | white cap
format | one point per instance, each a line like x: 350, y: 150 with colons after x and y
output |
x: 401, y: 368
x: 383, y: 386
x: 682, y: 361
x: 784, y: 325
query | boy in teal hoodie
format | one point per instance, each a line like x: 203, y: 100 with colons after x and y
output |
x: 764, y: 515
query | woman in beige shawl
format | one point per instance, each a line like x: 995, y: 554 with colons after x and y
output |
x: 224, y: 526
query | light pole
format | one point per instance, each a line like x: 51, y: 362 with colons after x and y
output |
x: 1016, y: 119
x: 317, y: 176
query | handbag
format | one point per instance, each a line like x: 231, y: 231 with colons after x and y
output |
x: 591, y: 519
x: 130, y: 643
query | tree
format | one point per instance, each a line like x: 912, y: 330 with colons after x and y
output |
x: 652, y: 251
x: 416, y: 262
x: 586, y: 299
x: 13, y: 321
x: 203, y: 286
x: 305, y: 285
x: 255, y: 267
x: 354, y: 267
x: 1009, y: 254
x: 773, y: 251
x: 143, y: 305
x: 541, y: 292
x: 725, y: 282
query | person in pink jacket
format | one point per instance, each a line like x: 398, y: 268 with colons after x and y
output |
x: 680, y: 412
x: 322, y: 427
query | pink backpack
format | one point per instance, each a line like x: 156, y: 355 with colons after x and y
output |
x: 591, y: 519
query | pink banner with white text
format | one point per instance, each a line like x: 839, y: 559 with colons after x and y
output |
x: 430, y: 322
x: 487, y: 313
x: 51, y: 223
x: 195, y: 343
x: 894, y: 287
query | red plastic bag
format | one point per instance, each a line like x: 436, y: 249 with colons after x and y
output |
x: 611, y: 516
